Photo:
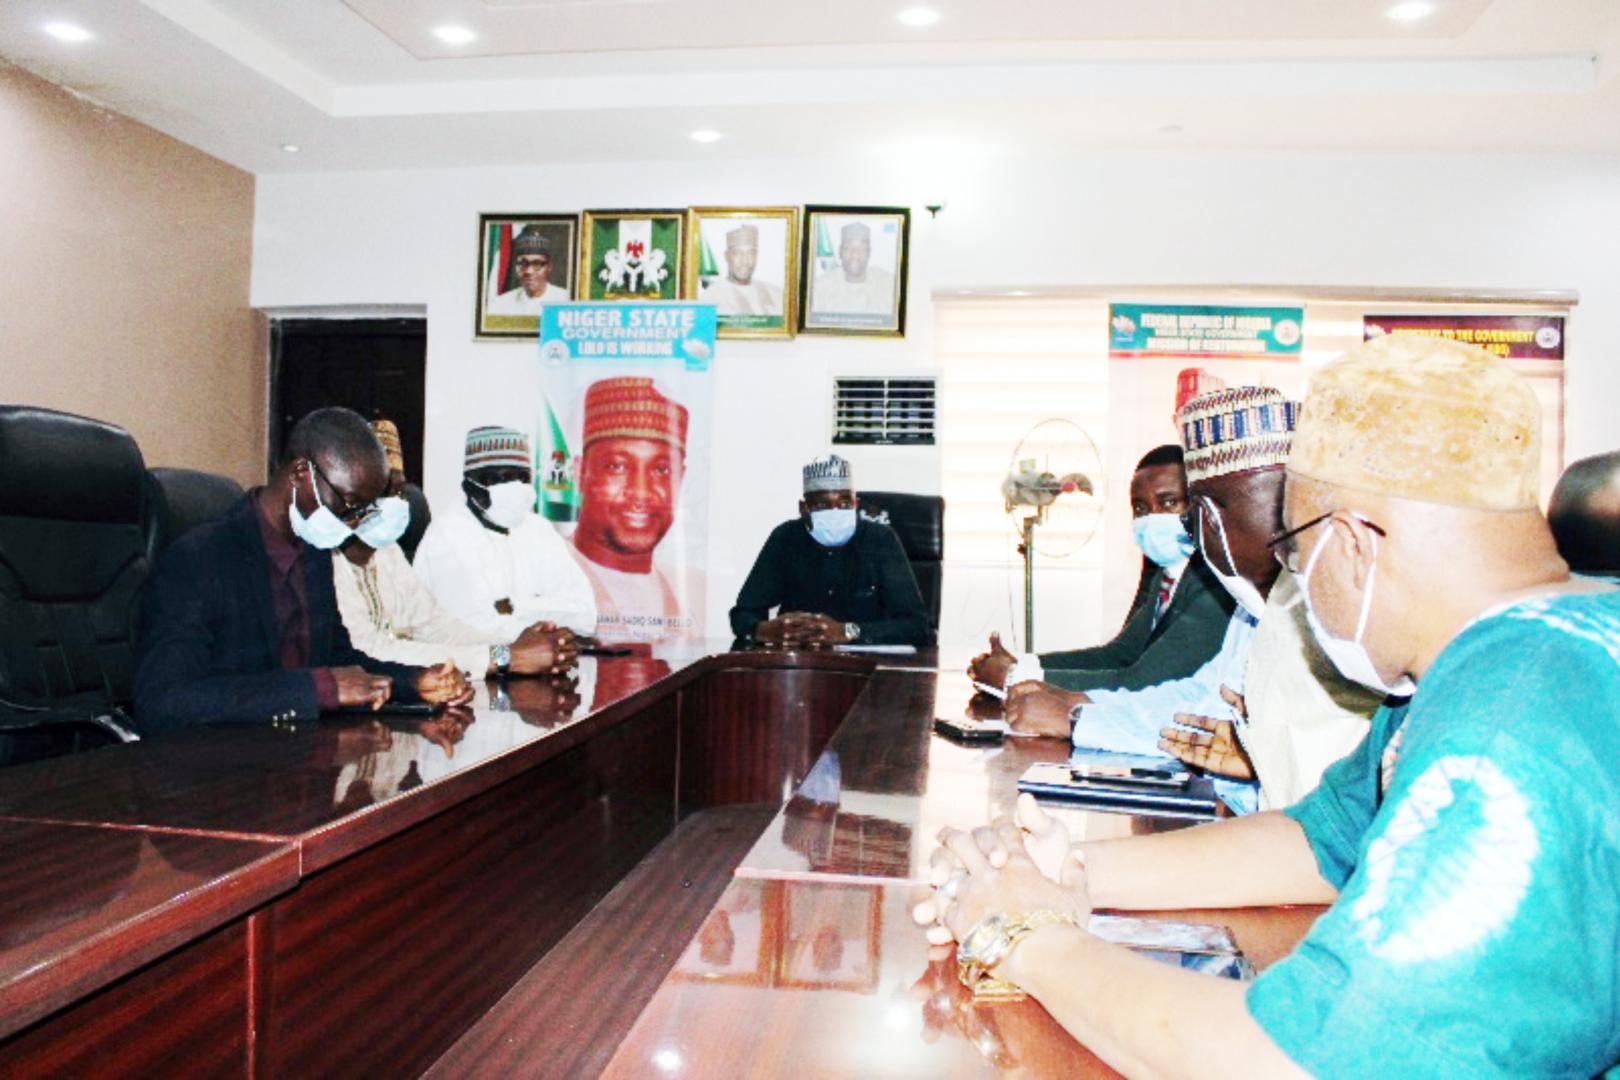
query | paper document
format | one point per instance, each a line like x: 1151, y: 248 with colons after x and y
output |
x: 883, y: 650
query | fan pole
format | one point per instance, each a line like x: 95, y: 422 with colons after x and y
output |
x: 1028, y: 548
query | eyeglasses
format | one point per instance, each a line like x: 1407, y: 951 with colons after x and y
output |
x: 1285, y: 549
x: 347, y: 512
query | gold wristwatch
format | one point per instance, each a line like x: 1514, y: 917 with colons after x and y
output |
x: 988, y: 944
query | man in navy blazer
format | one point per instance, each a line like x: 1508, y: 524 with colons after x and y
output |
x: 240, y: 623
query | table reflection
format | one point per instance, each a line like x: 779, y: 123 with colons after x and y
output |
x: 799, y: 935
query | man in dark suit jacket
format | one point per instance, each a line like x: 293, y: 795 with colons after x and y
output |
x: 1180, y: 614
x: 240, y: 621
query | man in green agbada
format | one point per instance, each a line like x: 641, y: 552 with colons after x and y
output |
x: 1469, y: 847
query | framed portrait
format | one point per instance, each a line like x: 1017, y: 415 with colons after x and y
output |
x: 854, y: 270
x: 631, y: 254
x: 524, y: 262
x: 745, y: 261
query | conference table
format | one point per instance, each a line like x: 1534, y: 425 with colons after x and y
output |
x: 697, y: 863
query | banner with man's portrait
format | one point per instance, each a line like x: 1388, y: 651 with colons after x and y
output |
x: 623, y: 458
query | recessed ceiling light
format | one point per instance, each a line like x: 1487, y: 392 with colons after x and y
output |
x: 291, y: 148
x: 918, y: 16
x: 706, y: 135
x: 454, y: 35
x: 1410, y: 11
x: 66, y: 31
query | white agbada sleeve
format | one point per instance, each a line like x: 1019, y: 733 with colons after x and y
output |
x: 558, y: 590
x: 452, y: 562
x: 1128, y: 721
x: 413, y: 629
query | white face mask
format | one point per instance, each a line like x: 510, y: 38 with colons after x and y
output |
x: 1242, y: 589
x: 1350, y: 657
x: 510, y: 503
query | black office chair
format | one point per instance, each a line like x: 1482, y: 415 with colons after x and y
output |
x: 420, y: 517
x: 189, y: 498
x: 919, y: 521
x: 77, y: 534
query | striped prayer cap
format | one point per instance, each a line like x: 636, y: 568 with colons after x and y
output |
x: 1235, y: 430
x: 497, y: 447
x: 631, y: 407
x: 830, y: 473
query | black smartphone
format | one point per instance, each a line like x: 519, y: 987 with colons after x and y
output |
x: 606, y: 650
x: 394, y: 708
x: 969, y: 731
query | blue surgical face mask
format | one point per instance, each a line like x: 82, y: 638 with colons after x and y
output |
x: 387, y: 525
x: 322, y: 529
x: 1162, y: 538
x: 832, y: 528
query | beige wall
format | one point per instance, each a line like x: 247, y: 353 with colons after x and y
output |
x: 124, y: 262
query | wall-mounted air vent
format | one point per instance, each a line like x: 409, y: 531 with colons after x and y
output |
x: 884, y: 411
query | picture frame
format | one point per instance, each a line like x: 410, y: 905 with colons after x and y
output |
x: 507, y: 305
x: 755, y: 297
x: 631, y: 254
x: 843, y: 294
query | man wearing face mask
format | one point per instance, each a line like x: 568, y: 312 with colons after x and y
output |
x: 495, y: 564
x: 391, y: 615
x: 1468, y: 845
x: 1269, y: 712
x: 832, y: 577
x: 240, y: 621
x: 1179, y: 617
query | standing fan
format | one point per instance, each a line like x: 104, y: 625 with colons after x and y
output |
x: 1052, y: 482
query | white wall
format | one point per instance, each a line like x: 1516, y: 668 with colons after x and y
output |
x: 1440, y: 221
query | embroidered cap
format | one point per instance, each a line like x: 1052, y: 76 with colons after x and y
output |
x: 633, y: 408
x: 1423, y: 418
x: 743, y: 236
x: 830, y: 473
x: 497, y: 447
x: 388, y: 435
x: 1236, y: 429
x: 530, y: 241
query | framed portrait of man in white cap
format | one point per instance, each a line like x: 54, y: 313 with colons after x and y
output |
x: 745, y: 260
x: 525, y: 261
x: 854, y: 270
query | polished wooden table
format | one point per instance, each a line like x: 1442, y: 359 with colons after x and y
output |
x: 509, y: 895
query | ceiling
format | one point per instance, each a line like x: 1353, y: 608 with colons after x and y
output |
x: 365, y: 84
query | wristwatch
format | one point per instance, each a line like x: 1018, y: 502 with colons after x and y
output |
x: 501, y: 657
x: 852, y: 631
x: 988, y: 944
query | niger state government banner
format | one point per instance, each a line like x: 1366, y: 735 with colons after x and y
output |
x: 623, y: 457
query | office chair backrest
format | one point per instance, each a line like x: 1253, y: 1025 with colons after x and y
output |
x: 189, y: 498
x: 919, y: 521
x: 76, y: 535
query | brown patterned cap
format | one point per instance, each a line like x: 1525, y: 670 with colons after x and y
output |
x: 1423, y: 418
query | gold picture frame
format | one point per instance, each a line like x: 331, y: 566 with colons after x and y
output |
x: 630, y: 254
x: 717, y: 240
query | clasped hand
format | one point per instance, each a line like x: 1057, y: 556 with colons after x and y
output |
x: 1011, y: 866
x: 800, y: 630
